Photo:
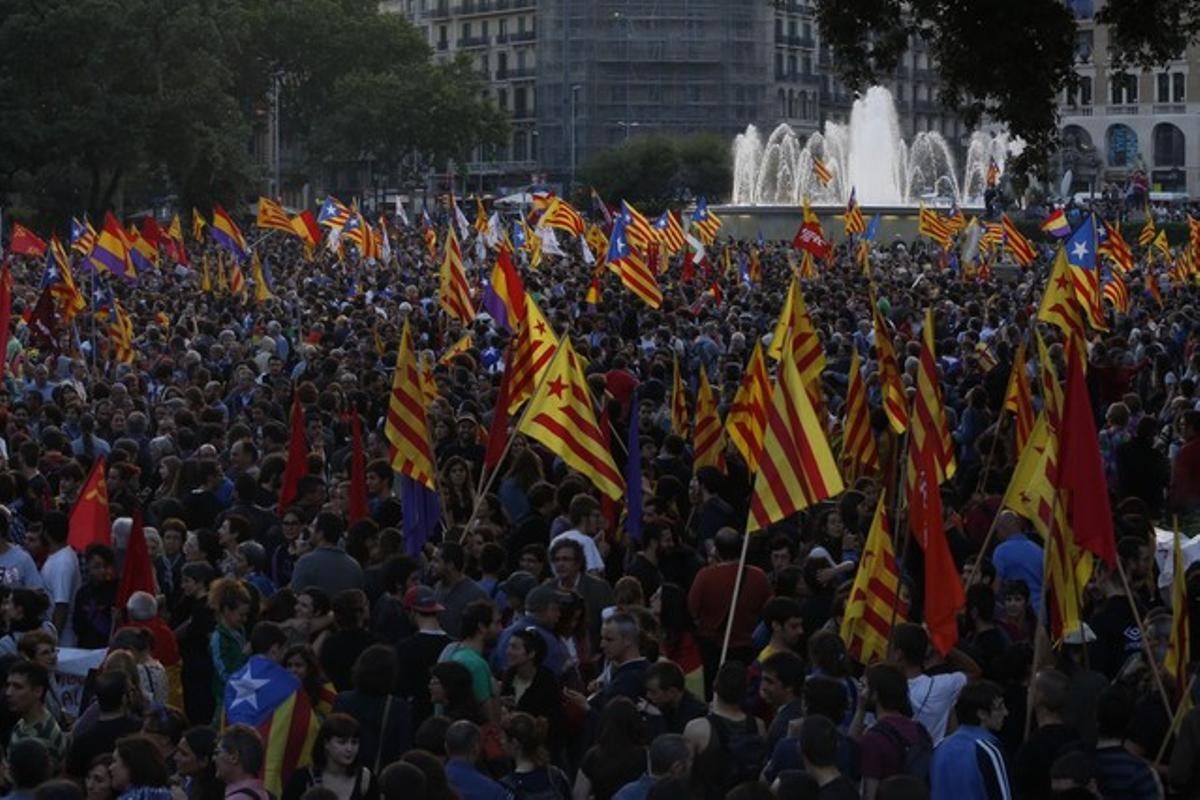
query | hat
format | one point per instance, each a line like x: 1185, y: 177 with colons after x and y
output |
x: 822, y: 554
x: 519, y: 584
x: 422, y: 600
x: 1084, y: 635
x: 542, y: 597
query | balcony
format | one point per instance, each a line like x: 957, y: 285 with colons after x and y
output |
x: 519, y: 74
x: 522, y: 36
x: 471, y: 42
x: 1170, y: 108
x: 1125, y: 110
x: 1072, y: 111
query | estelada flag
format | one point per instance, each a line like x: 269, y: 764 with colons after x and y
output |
x: 25, y: 242
x: 268, y: 698
x: 89, y: 522
x: 811, y: 240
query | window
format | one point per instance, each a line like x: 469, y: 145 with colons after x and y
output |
x: 466, y: 31
x: 1085, y: 91
x: 1162, y: 88
x: 1124, y: 88
x: 1122, y: 146
x: 1083, y: 45
x: 779, y: 75
x: 1178, y: 87
x: 782, y: 104
x: 519, y: 150
x: 806, y: 65
x: 778, y: 28
x: 503, y: 27
x: 1169, y: 150
x: 501, y: 64
x: 502, y: 99
x: 519, y: 102
x: 791, y: 66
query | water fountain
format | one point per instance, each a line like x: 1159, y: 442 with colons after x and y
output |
x: 867, y: 155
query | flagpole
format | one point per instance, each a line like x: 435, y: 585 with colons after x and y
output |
x: 1137, y: 618
x: 901, y: 470
x: 479, y: 495
x: 737, y: 588
x: 1176, y: 720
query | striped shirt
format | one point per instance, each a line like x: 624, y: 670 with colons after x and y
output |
x: 1124, y: 775
x: 46, y: 731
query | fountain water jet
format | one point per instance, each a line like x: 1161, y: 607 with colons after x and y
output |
x: 867, y: 155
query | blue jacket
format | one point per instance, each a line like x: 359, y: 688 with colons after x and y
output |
x: 471, y: 784
x: 969, y: 763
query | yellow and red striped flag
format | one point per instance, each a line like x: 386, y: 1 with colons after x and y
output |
x: 853, y: 221
x: 454, y: 295
x: 1116, y: 292
x: 536, y: 345
x: 1116, y: 248
x: 637, y: 227
x: 708, y: 445
x: 795, y: 327
x: 1021, y: 248
x: 935, y: 226
x: 1018, y: 398
x: 272, y: 216
x: 237, y: 279
x: 895, y: 399
x: 561, y: 417
x: 874, y: 603
x: 669, y: 231
x: 796, y: 467
x: 407, y: 427
x: 748, y: 412
x: 859, y: 451
x: 120, y: 331
x: 631, y: 266
x: 679, y: 404
x: 463, y: 344
x: 1060, y: 305
x: 930, y: 463
x: 821, y: 172
x: 562, y: 215
x: 1147, y: 233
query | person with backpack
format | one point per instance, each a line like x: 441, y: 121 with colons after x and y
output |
x: 533, y: 776
x: 730, y: 744
x: 896, y: 744
x: 970, y: 761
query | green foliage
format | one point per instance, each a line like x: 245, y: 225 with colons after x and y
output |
x: 123, y: 102
x: 1008, y: 61
x: 655, y: 171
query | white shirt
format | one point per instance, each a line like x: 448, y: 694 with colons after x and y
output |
x: 932, y: 697
x: 593, y: 561
x: 60, y: 572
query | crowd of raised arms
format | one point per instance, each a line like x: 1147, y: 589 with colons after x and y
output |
x: 532, y: 647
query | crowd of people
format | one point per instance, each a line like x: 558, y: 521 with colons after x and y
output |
x: 532, y: 648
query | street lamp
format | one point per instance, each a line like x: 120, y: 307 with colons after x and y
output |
x: 575, y: 89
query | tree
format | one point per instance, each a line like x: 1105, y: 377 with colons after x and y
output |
x: 108, y: 104
x: 655, y: 171
x: 1007, y: 60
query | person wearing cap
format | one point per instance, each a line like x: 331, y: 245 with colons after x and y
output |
x: 418, y: 653
x: 542, y: 610
x: 516, y: 587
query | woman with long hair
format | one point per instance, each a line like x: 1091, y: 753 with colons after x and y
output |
x: 301, y: 661
x: 138, y: 770
x: 452, y: 690
x: 342, y: 646
x: 528, y: 686
x: 532, y: 775
x: 458, y: 492
x: 97, y: 783
x: 335, y: 764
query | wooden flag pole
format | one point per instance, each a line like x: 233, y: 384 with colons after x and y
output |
x: 737, y: 588
x: 1137, y: 618
x: 1176, y: 720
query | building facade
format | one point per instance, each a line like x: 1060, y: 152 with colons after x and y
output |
x: 1117, y: 123
x: 578, y: 76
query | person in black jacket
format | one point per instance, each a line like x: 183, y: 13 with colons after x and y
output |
x: 530, y: 687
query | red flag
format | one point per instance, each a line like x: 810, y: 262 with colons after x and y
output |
x: 138, y: 573
x: 151, y: 232
x: 297, y: 457
x: 810, y: 239
x: 1081, y: 470
x: 943, y: 586
x: 25, y: 242
x: 498, y: 432
x: 43, y: 325
x: 358, y: 472
x: 89, y: 520
x: 5, y: 315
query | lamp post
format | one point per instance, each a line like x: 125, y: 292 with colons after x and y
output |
x: 276, y: 86
x: 627, y: 126
x: 574, y: 138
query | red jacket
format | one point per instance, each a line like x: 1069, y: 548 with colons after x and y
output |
x: 710, y: 595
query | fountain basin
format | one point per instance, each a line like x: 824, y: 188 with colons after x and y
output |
x: 781, y: 221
